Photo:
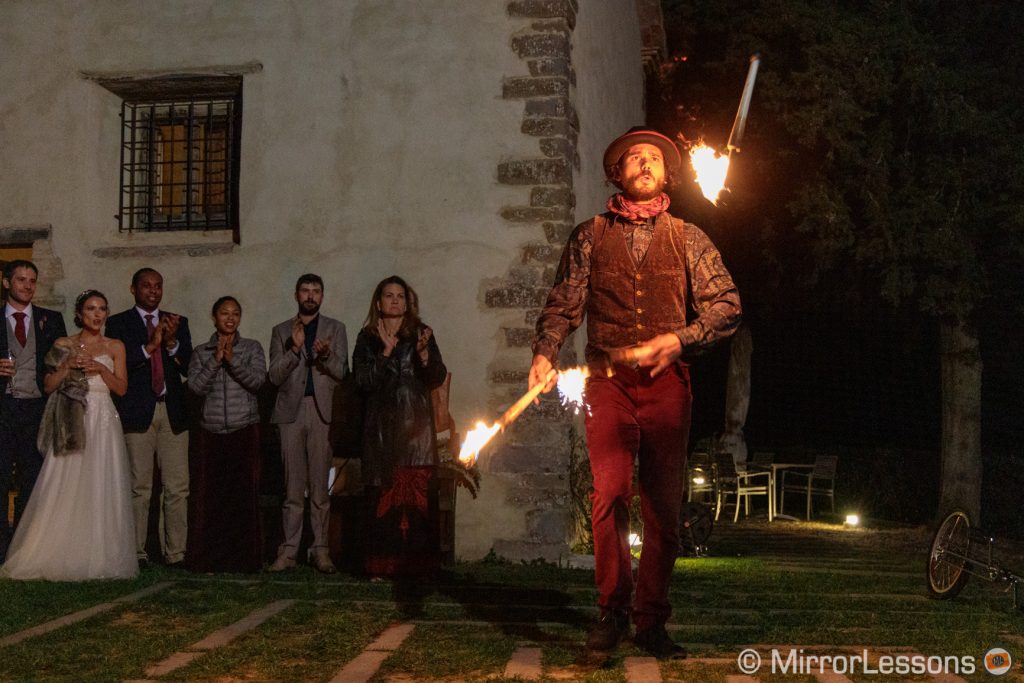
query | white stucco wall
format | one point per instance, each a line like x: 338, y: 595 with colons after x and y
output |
x: 370, y: 141
x: 369, y: 145
x: 609, y: 92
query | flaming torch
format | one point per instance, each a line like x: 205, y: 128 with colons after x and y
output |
x: 710, y: 167
x: 570, y: 389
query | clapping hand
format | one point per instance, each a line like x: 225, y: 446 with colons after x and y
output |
x: 225, y: 349
x: 298, y: 335
x: 423, y: 344
x: 156, y: 338
x: 390, y: 340
x: 170, y: 322
x: 322, y: 348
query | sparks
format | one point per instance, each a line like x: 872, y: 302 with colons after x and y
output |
x: 476, y: 439
x: 711, y: 169
x: 571, y: 385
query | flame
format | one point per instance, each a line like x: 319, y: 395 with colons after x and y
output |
x: 571, y: 384
x: 711, y: 169
x: 476, y: 439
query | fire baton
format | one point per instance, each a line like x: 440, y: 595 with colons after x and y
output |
x: 740, y: 121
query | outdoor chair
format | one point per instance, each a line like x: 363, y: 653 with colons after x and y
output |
x: 761, y: 461
x: 737, y: 480
x: 700, y: 473
x: 818, y: 482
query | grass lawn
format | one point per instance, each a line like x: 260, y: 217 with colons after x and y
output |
x: 811, y: 586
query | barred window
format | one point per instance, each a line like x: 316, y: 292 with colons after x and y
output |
x: 179, y: 154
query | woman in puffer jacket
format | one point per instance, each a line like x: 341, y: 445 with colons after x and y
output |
x: 224, y: 533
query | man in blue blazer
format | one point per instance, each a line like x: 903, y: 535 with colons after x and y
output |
x: 26, y: 337
x: 158, y: 347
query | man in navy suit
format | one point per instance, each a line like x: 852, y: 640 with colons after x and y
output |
x: 25, y: 339
x: 158, y: 347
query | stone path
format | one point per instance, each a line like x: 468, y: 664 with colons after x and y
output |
x: 81, y: 615
x: 216, y: 639
x: 544, y: 633
x: 526, y: 662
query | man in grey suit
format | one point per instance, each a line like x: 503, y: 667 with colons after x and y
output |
x: 308, y: 358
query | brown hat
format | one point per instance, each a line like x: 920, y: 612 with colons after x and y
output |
x: 638, y: 135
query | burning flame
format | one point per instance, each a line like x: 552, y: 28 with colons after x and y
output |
x: 711, y: 169
x: 571, y: 384
x: 476, y: 439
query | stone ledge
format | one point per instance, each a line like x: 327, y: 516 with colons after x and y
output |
x: 516, y: 297
x: 539, y: 45
x: 543, y: 253
x: 519, y: 336
x: 558, y: 233
x: 525, y: 551
x: 545, y: 9
x: 155, y: 251
x: 536, y: 214
x: 553, y: 196
x: 535, y: 172
x: 548, y: 127
x: 520, y: 87
x: 24, y: 234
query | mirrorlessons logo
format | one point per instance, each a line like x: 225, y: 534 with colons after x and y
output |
x: 997, y: 661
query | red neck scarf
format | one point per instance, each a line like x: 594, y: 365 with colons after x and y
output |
x: 632, y: 211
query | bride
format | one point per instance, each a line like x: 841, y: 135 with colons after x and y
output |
x: 78, y: 524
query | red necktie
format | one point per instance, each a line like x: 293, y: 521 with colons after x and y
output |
x: 19, y: 327
x: 156, y: 361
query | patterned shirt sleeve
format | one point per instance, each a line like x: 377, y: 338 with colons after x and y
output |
x: 567, y: 301
x: 715, y: 298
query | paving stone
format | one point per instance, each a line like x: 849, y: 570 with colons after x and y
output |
x: 228, y: 633
x: 366, y: 664
x: 525, y: 664
x: 362, y: 668
x: 391, y: 638
x: 172, y: 663
x: 218, y: 638
x: 81, y: 615
x: 642, y: 670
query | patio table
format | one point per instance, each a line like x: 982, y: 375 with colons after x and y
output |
x: 773, y: 496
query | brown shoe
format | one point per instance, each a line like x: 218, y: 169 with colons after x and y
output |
x: 281, y: 563
x: 612, y: 627
x: 324, y: 565
x: 657, y: 642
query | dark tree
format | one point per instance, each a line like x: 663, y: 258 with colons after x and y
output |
x: 883, y: 163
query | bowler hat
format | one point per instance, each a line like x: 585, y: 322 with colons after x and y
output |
x: 638, y: 135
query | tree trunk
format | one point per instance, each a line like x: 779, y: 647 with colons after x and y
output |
x: 737, y: 395
x: 960, y: 484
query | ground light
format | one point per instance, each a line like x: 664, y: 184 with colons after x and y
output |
x: 852, y: 520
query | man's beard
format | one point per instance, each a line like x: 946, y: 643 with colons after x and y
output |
x: 309, y: 307
x: 635, y: 193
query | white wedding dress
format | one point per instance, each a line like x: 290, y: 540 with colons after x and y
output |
x: 78, y: 523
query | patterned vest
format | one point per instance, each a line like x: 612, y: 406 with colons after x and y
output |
x: 631, y: 303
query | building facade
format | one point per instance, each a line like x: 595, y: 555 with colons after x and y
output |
x: 234, y: 145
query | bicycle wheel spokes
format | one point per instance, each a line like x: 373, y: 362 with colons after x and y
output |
x: 948, y: 558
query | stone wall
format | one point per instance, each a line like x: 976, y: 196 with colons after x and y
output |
x: 530, y: 462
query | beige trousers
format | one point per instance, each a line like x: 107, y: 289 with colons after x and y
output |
x: 306, y: 453
x: 171, y: 452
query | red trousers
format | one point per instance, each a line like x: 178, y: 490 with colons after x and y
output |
x: 633, y: 415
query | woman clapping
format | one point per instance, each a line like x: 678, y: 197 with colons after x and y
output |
x: 224, y: 525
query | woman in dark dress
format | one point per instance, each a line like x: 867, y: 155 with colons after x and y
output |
x: 397, y: 363
x: 224, y: 533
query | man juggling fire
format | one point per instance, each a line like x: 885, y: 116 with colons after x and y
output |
x: 655, y: 293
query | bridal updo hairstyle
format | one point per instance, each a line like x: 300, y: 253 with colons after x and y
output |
x: 80, y: 302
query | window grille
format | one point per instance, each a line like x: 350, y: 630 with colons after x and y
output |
x: 179, y: 165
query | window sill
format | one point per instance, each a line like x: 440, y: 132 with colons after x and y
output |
x: 178, y: 243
